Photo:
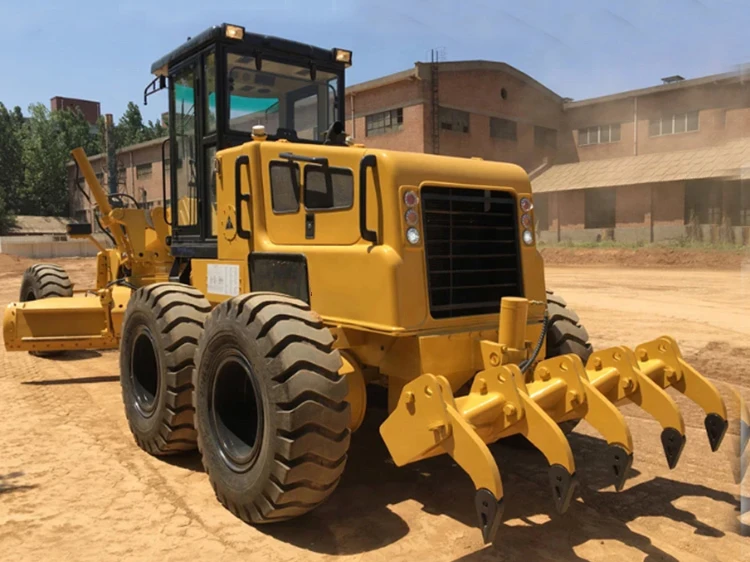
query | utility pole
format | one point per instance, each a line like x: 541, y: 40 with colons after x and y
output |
x: 109, y: 140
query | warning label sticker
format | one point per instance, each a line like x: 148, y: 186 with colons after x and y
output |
x: 224, y: 279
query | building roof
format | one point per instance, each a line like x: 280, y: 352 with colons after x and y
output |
x: 26, y: 224
x: 660, y: 88
x: 124, y: 150
x: 722, y: 161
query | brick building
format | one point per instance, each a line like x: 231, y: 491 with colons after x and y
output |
x: 91, y: 109
x: 631, y: 166
x: 648, y: 162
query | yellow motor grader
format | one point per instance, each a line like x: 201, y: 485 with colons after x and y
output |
x: 290, y: 269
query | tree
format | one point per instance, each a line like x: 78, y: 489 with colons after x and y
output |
x: 47, y: 140
x: 7, y: 220
x: 11, y: 164
x: 130, y: 129
x: 157, y: 130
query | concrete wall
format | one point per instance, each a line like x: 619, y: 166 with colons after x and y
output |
x: 44, y: 247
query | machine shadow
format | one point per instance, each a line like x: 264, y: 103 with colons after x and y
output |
x: 74, y: 355
x: 357, y: 519
x: 7, y: 486
x: 189, y: 460
x: 78, y: 380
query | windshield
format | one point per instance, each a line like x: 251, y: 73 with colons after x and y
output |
x: 280, y: 96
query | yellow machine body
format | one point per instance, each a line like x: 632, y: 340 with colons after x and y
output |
x: 455, y: 385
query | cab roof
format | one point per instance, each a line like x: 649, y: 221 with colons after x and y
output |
x: 217, y: 34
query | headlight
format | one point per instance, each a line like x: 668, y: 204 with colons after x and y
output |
x: 526, y: 204
x: 411, y: 217
x: 412, y: 235
x: 342, y: 55
x: 411, y: 198
x: 526, y: 220
x: 234, y: 32
x: 528, y: 238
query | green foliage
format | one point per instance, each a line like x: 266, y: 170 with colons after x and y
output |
x: 45, y: 154
x: 35, y: 151
x: 131, y: 129
x: 6, y: 216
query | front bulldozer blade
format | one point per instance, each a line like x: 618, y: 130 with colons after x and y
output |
x: 428, y: 420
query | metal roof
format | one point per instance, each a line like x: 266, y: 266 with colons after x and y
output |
x: 712, y: 79
x: 253, y: 40
x: 722, y: 161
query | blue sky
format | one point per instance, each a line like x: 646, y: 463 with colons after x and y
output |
x: 579, y: 48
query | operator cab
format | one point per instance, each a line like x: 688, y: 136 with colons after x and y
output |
x: 221, y: 84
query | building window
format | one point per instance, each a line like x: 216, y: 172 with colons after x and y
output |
x: 601, y: 134
x: 454, y: 120
x: 673, y: 124
x: 143, y: 171
x: 503, y: 129
x: 600, y: 207
x: 544, y: 137
x: 100, y: 178
x: 384, y: 122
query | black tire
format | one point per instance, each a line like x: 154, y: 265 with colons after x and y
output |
x: 565, y: 334
x: 160, y: 333
x: 271, y: 408
x: 42, y: 281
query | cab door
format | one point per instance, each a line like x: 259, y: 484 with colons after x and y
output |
x: 311, y: 193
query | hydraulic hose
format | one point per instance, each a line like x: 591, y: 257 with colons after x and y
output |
x: 524, y: 366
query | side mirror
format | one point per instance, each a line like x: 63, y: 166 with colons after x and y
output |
x: 82, y: 230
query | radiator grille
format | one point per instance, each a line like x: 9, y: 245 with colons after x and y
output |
x: 471, y: 249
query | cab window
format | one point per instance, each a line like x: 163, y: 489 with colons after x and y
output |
x: 284, y: 187
x: 327, y: 189
x: 281, y: 97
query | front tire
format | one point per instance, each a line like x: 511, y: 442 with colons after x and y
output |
x: 42, y: 281
x: 159, y: 337
x: 271, y: 410
x: 566, y: 334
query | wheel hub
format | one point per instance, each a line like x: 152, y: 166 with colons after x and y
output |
x: 236, y: 412
x: 144, y: 372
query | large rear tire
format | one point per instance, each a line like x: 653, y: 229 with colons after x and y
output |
x: 565, y: 334
x: 159, y: 337
x: 271, y: 410
x: 42, y: 281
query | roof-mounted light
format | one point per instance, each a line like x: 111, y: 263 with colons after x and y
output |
x: 342, y: 55
x: 234, y: 32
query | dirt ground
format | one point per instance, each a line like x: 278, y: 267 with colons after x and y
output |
x: 74, y: 486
